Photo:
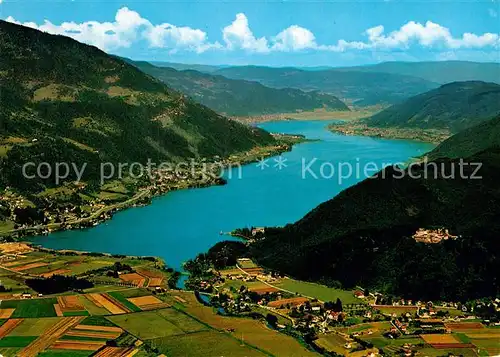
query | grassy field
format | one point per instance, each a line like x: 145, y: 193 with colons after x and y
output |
x: 75, y: 313
x: 16, y: 341
x: 97, y: 321
x: 118, y: 296
x: 15, y: 283
x: 31, y: 308
x: 132, y: 293
x: 181, y: 320
x: 255, y: 332
x: 9, y: 351
x: 146, y: 325
x: 34, y: 327
x: 317, y: 291
x: 6, y: 225
x: 204, y: 344
x: 333, y: 343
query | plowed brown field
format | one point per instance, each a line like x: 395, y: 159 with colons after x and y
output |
x: 10, y: 325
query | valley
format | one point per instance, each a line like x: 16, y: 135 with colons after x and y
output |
x: 151, y: 207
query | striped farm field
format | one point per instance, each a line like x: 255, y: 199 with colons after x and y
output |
x: 148, y: 302
x: 253, y: 271
x: 34, y: 327
x: 98, y: 328
x: 22, y: 262
x: 104, y: 300
x: 154, y: 282
x: 55, y: 272
x: 445, y: 346
x: 117, y: 352
x: 58, y: 310
x: 432, y: 339
x: 93, y: 334
x: 133, y: 278
x: 29, y: 266
x: 292, y: 301
x: 9, y: 326
x: 91, y: 307
x: 77, y: 345
x: 70, y: 303
x: 264, y: 290
x: 463, y: 326
x: 156, y: 278
x: 6, y: 313
x: 50, y: 335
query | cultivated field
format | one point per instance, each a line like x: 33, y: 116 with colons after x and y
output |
x: 320, y: 292
x: 254, y: 332
x: 107, y: 302
x: 148, y: 302
x: 205, y: 344
x: 146, y: 325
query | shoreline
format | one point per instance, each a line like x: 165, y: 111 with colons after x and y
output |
x: 145, y: 195
x: 313, y: 115
x: 431, y: 136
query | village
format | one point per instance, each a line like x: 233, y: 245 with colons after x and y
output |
x: 75, y: 205
x: 357, y: 322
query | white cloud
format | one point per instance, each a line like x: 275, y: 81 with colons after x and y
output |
x: 105, y: 35
x: 178, y: 38
x: 239, y: 36
x: 294, y: 38
x: 413, y: 33
x: 130, y: 27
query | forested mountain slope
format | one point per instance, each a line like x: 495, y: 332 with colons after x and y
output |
x: 63, y: 101
x: 240, y: 97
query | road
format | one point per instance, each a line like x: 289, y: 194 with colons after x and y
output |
x: 96, y: 214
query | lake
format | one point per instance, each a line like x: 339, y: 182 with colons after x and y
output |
x: 181, y: 224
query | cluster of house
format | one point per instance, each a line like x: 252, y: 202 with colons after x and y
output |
x: 433, y: 235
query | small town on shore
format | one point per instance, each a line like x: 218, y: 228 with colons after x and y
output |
x: 78, y: 205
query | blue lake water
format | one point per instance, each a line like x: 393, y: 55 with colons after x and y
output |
x: 181, y: 224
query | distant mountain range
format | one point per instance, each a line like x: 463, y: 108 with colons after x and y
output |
x: 240, y: 97
x: 454, y: 107
x: 438, y: 72
x: 204, y: 68
x: 441, y: 72
x: 63, y: 101
x: 357, y: 87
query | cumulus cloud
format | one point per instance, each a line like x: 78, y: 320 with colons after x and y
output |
x: 178, y: 38
x: 426, y: 35
x: 129, y: 27
x: 294, y: 38
x: 105, y: 35
x: 239, y: 36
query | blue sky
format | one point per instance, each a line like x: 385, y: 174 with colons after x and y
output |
x: 276, y: 33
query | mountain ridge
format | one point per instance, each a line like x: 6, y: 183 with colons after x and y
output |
x: 358, y: 87
x: 66, y: 100
x: 240, y: 97
x: 453, y: 106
